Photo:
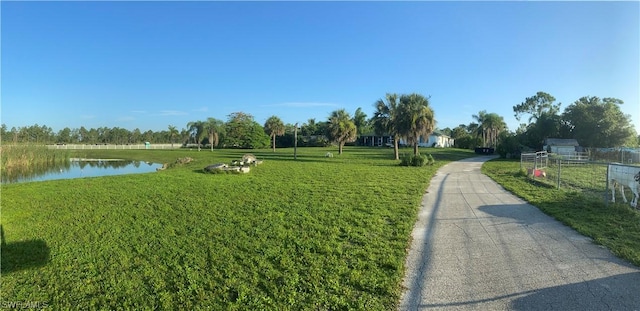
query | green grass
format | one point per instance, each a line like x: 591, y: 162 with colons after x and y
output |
x: 316, y: 233
x: 615, y: 226
x: 24, y: 161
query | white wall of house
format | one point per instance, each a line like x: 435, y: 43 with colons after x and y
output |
x: 441, y: 141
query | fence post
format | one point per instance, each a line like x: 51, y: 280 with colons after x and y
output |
x: 559, y: 161
x: 606, y: 189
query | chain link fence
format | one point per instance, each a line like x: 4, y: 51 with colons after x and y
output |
x: 582, y: 172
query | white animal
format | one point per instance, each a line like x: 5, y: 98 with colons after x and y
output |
x: 625, y: 176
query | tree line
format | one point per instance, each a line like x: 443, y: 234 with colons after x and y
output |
x: 407, y: 116
x: 592, y: 121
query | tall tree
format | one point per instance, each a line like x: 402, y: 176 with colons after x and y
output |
x: 446, y: 131
x: 361, y: 122
x: 136, y: 136
x: 214, y: 129
x: 309, y: 128
x: 493, y: 124
x: 184, y: 136
x: 536, y: 106
x: 64, y: 135
x: 3, y: 133
x: 596, y: 122
x: 341, y: 128
x: 244, y: 132
x: 197, y: 131
x: 385, y: 119
x: 274, y: 127
x: 416, y: 119
x: 547, y: 125
x: 480, y: 117
x: 173, y: 132
x: 463, y: 139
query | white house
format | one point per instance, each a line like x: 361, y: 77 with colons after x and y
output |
x: 436, y: 139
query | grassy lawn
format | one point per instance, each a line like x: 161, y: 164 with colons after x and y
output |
x: 615, y: 226
x: 316, y: 233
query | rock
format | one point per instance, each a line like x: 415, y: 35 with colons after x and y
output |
x: 217, y: 166
x: 249, y: 158
x: 184, y: 160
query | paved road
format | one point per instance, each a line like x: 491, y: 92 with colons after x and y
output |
x: 477, y: 247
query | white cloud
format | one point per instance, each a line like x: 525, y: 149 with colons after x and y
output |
x: 302, y: 105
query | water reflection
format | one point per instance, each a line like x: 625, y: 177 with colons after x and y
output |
x: 78, y: 169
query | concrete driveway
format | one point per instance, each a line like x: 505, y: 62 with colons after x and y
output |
x: 478, y: 247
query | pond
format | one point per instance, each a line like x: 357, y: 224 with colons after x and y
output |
x: 79, y: 168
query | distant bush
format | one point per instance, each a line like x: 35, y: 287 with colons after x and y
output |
x: 419, y: 160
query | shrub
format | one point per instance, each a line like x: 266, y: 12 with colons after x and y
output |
x: 419, y: 160
x: 430, y: 160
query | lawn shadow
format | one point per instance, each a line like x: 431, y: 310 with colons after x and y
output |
x: 22, y: 255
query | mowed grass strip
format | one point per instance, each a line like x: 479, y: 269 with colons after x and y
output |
x: 616, y: 226
x: 316, y: 233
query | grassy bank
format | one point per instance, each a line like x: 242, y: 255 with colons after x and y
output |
x: 23, y: 161
x: 615, y: 226
x: 315, y: 233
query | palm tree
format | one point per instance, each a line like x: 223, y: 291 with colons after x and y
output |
x: 173, y: 131
x: 274, y: 127
x: 489, y: 126
x: 481, y: 130
x: 184, y: 136
x: 341, y: 128
x: 214, y: 128
x: 385, y: 119
x: 495, y: 125
x: 196, y: 128
x: 415, y: 119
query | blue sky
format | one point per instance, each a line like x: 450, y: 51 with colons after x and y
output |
x: 148, y: 65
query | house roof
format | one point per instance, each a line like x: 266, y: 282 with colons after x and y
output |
x: 561, y: 142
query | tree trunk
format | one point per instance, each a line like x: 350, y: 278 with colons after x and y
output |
x: 395, y: 148
x: 273, y: 142
x: 484, y: 137
x: 415, y: 149
x: 340, y: 147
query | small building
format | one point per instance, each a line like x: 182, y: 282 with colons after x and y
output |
x: 436, y: 139
x: 374, y: 140
x: 439, y: 140
x: 565, y: 146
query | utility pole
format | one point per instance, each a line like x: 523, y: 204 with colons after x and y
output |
x: 295, y: 141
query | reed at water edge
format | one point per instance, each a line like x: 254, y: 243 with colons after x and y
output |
x: 23, y: 161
